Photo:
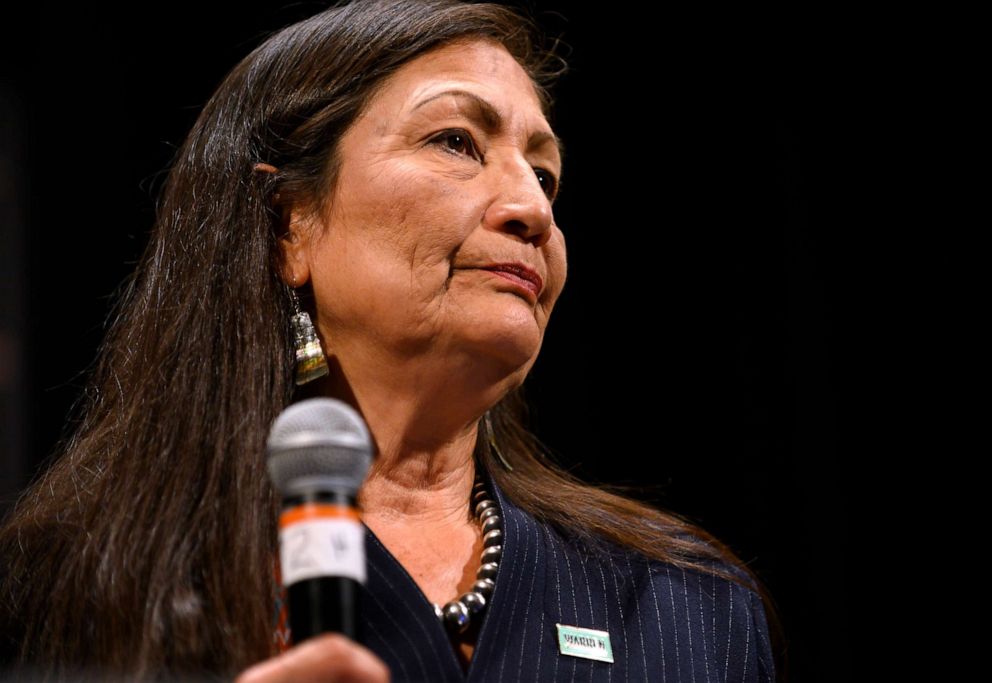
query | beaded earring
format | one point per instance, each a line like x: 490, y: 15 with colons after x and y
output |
x: 491, y: 434
x: 310, y: 360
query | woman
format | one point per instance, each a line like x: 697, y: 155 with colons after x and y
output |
x: 389, y: 168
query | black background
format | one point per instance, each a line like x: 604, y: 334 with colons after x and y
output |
x: 693, y: 351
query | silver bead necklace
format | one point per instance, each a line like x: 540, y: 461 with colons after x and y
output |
x: 459, y: 614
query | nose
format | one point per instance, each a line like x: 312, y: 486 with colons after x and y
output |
x: 521, y: 208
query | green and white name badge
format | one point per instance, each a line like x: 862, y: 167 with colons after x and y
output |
x: 584, y: 642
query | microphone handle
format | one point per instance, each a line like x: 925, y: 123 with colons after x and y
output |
x: 328, y: 601
x: 327, y: 604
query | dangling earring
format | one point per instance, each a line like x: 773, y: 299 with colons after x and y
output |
x: 310, y: 360
x: 492, y: 442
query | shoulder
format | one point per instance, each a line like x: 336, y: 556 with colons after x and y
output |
x: 725, y: 615
x: 690, y: 615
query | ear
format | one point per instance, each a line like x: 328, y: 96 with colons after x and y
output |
x: 294, y: 246
x: 294, y: 264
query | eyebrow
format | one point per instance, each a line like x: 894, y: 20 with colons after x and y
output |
x: 489, y: 118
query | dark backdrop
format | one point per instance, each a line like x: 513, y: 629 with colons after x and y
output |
x: 691, y: 351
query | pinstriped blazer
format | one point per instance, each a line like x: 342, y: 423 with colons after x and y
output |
x: 664, y: 623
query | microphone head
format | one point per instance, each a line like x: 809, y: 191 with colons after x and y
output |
x: 320, y: 444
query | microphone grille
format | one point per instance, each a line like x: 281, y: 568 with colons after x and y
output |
x: 319, y: 444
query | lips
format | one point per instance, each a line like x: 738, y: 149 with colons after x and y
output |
x: 520, y: 272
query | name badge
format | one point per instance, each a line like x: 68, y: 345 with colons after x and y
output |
x: 584, y: 642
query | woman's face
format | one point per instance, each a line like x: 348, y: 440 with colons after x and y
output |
x: 450, y: 170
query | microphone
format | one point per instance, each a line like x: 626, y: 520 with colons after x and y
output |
x: 319, y: 451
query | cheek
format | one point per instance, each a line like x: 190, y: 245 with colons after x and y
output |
x: 557, y: 264
x: 417, y: 221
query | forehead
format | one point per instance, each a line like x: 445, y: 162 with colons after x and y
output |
x: 486, y: 67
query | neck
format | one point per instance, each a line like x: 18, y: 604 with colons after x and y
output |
x: 416, y: 484
x: 425, y: 437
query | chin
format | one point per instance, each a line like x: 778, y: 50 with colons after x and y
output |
x: 514, y: 348
x: 500, y: 328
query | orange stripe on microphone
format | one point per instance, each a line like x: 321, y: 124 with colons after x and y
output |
x: 312, y: 511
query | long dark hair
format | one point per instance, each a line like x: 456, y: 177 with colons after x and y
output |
x: 148, y: 545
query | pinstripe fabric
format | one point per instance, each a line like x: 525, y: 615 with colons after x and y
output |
x: 665, y: 624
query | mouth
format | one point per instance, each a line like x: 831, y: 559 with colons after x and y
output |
x: 519, y: 274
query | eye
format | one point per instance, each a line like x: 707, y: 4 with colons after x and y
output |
x: 457, y: 141
x: 548, y: 181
